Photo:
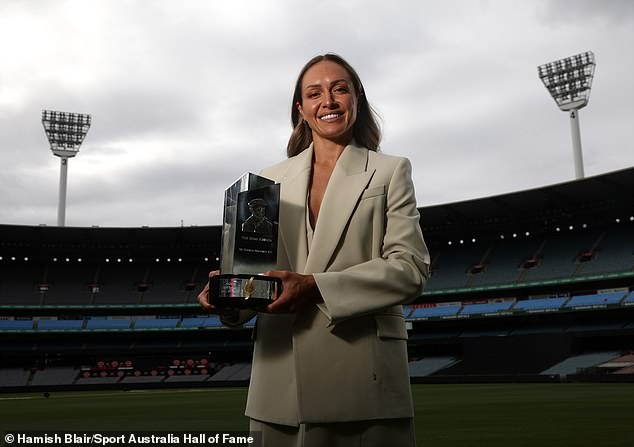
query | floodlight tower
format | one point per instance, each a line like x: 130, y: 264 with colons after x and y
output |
x: 65, y: 132
x: 569, y: 81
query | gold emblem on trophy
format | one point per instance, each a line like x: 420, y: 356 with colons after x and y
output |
x: 249, y: 288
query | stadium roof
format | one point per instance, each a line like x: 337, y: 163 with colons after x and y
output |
x: 595, y: 201
x: 598, y: 200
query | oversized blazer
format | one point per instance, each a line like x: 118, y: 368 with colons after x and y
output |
x: 344, y: 359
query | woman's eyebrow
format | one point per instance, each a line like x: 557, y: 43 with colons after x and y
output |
x: 336, y: 81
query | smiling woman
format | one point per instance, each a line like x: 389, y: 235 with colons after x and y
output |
x: 330, y: 355
x: 366, y: 131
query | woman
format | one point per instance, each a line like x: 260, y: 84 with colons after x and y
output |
x: 330, y: 356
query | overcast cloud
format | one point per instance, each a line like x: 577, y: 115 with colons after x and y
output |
x: 187, y: 95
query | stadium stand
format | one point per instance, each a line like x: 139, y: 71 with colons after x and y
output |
x: 540, y: 304
x: 170, y: 284
x: 10, y: 377
x: 438, y: 311
x: 429, y: 365
x: 16, y: 325
x: 450, y: 266
x: 54, y: 375
x: 187, y: 378
x: 20, y: 283
x: 97, y: 380
x: 558, y: 257
x: 574, y: 364
x: 194, y: 322
x: 237, y: 371
x: 598, y: 299
x: 611, y: 254
x: 156, y: 323
x: 68, y: 285
x: 515, y: 292
x: 486, y: 308
x: 117, y: 283
x: 60, y: 325
x: 143, y: 379
x: 503, y: 265
x: 99, y: 323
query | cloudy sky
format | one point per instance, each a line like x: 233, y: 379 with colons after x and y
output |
x: 187, y: 95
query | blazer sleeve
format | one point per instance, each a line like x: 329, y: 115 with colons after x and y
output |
x: 396, y: 277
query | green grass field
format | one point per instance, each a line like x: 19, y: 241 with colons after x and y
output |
x: 498, y: 415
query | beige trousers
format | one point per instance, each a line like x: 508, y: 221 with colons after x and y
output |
x: 376, y: 433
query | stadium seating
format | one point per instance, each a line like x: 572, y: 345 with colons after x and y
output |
x: 19, y: 283
x: 450, y: 266
x: 166, y: 283
x: 156, y: 323
x: 108, y: 324
x: 192, y: 322
x: 503, y: 264
x: 187, y: 378
x: 14, y: 377
x: 96, y: 380
x: 612, y: 254
x: 429, y: 365
x: 479, y: 335
x: 16, y: 325
x: 55, y: 375
x: 142, y: 379
x: 47, y: 325
x: 438, y: 311
x: 486, y: 308
x: 212, y: 321
x: 573, y: 364
x: 540, y: 304
x: 237, y: 371
x: 558, y: 256
x: 67, y: 283
x: 595, y: 300
x: 118, y: 283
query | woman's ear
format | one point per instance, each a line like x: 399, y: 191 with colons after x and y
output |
x: 300, y: 109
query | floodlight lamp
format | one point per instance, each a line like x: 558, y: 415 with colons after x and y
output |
x: 569, y: 80
x: 65, y: 131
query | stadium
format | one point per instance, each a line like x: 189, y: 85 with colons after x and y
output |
x: 530, y: 289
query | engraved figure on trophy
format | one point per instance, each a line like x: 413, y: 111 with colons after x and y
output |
x: 257, y: 222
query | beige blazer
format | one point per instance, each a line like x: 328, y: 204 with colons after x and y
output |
x: 345, y: 359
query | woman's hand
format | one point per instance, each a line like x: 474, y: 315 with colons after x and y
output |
x: 203, y: 299
x: 297, y: 291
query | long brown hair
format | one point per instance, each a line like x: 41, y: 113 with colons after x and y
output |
x: 366, y: 130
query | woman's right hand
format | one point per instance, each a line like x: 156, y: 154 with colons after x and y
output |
x: 203, y: 299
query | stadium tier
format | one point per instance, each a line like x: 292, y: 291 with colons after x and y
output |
x: 534, y: 285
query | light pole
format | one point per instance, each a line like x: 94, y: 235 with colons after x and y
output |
x: 65, y: 132
x: 569, y: 81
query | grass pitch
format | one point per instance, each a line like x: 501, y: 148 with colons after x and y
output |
x: 491, y: 415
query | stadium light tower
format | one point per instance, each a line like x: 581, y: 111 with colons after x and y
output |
x: 569, y: 81
x: 65, y: 132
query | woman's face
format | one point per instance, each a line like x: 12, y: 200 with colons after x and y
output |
x: 329, y: 102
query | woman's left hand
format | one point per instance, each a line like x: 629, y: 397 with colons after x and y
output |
x: 297, y: 291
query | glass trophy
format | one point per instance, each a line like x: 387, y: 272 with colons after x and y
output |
x: 249, y: 245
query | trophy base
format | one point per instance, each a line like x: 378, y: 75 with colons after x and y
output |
x: 240, y: 291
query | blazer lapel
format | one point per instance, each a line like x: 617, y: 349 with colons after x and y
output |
x: 293, y: 209
x: 347, y: 182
